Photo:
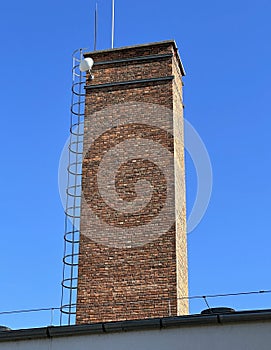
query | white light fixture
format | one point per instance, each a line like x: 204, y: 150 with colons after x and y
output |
x: 86, y: 64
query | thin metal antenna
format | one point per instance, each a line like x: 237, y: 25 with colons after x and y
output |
x: 113, y: 24
x: 95, y: 27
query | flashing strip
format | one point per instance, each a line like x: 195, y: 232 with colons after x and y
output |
x: 129, y: 82
x: 132, y: 59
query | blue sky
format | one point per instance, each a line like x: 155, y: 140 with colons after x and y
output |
x: 225, y: 48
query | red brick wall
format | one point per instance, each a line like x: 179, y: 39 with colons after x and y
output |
x: 130, y: 266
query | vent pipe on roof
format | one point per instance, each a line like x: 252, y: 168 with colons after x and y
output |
x: 217, y: 311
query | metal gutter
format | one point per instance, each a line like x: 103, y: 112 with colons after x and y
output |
x: 137, y: 325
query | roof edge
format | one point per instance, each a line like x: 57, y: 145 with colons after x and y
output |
x: 136, y: 325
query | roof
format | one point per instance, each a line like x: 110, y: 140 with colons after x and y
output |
x: 137, y: 325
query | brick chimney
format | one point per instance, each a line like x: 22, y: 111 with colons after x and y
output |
x: 133, y: 254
